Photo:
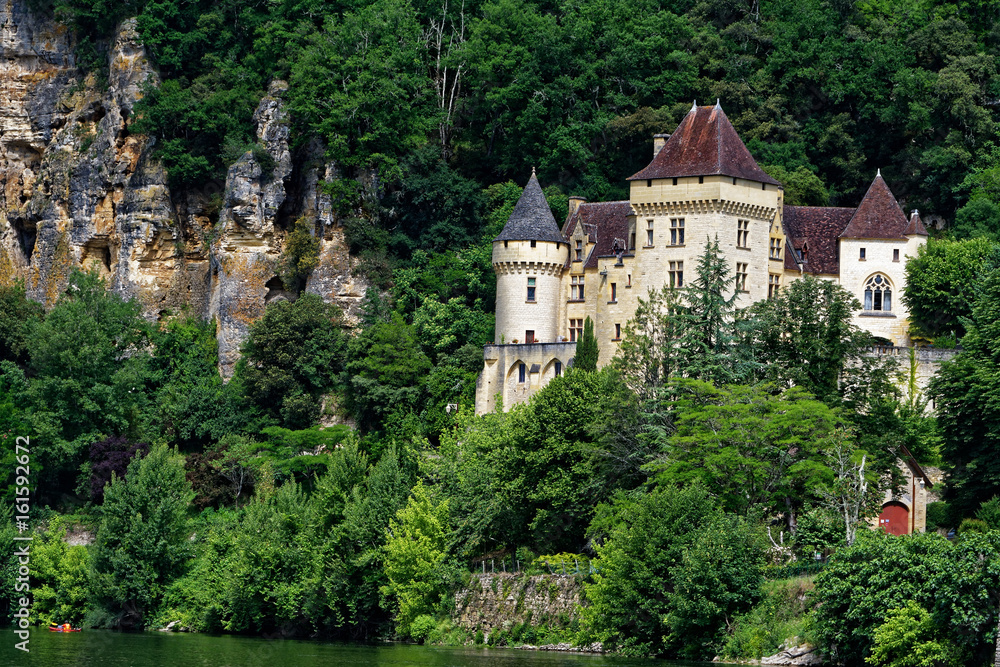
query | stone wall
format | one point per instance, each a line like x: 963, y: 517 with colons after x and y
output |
x: 500, y: 601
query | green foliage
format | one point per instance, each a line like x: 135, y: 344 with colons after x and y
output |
x: 965, y: 391
x: 909, y: 638
x: 384, y: 373
x: 782, y: 613
x: 300, y: 256
x: 979, y: 219
x: 651, y: 583
x: 755, y: 450
x: 415, y: 562
x: 718, y: 578
x: 862, y: 584
x: 941, y: 284
x: 142, y: 542
x: 586, y: 348
x: 90, y: 356
x: 806, y: 339
x: 17, y: 315
x: 939, y: 516
x: 530, y: 476
x: 60, y: 584
x: 292, y: 356
x: 802, y: 186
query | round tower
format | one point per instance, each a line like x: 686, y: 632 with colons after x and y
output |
x: 529, y: 257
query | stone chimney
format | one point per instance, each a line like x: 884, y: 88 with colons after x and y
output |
x: 659, y: 141
x: 574, y: 203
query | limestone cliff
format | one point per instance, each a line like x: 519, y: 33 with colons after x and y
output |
x: 80, y: 189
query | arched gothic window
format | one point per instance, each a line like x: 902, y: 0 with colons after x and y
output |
x: 878, y: 293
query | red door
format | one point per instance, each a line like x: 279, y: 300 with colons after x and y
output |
x: 894, y: 519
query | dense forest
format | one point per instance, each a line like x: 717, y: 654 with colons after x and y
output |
x: 330, y: 488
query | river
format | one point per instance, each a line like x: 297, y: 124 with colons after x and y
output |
x: 101, y: 648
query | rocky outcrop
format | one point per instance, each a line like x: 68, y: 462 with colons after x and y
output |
x: 790, y: 654
x: 500, y: 601
x: 80, y: 189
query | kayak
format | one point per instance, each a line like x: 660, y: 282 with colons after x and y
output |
x: 62, y: 630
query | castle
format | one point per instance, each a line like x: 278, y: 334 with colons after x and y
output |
x: 701, y: 184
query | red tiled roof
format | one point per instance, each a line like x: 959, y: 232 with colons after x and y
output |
x: 704, y: 144
x: 816, y: 228
x: 915, y: 226
x: 878, y: 216
x: 604, y: 222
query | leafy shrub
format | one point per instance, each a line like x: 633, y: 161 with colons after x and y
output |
x: 111, y: 457
x: 938, y: 516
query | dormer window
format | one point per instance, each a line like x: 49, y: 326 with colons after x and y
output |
x: 579, y: 251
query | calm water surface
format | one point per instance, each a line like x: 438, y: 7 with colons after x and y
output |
x: 154, y: 649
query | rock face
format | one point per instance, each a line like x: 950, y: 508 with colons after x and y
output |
x: 803, y: 654
x: 79, y: 189
x: 499, y: 601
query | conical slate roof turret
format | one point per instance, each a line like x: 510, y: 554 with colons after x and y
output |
x: 915, y: 227
x: 878, y: 216
x: 532, y: 218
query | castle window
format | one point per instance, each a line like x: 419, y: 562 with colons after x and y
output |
x: 649, y: 233
x: 531, y: 289
x: 878, y: 293
x: 773, y: 284
x: 649, y: 182
x: 742, y: 233
x: 575, y: 330
x: 614, y: 292
x: 504, y: 244
x: 521, y: 373
x: 676, y: 231
x: 576, y: 288
x: 631, y: 241
x: 618, y: 331
x: 741, y: 277
x: 676, y: 274
x: 763, y: 186
x: 862, y: 255
x: 558, y: 368
x: 895, y: 254
x: 534, y: 244
x: 775, y: 249
x: 529, y: 337
x: 675, y: 181
x: 734, y: 180
x: 579, y: 250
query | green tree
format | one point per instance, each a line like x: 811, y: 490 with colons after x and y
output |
x: 586, y: 348
x: 415, y: 558
x: 385, y: 373
x: 802, y: 186
x: 751, y: 448
x: 631, y: 598
x: 17, y: 316
x: 300, y: 256
x: 90, y: 359
x: 719, y: 577
x: 941, y: 284
x: 142, y: 541
x: 965, y: 392
x: 291, y: 357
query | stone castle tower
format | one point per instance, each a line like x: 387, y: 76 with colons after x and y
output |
x: 529, y: 257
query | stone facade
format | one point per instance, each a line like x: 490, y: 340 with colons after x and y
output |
x: 701, y: 185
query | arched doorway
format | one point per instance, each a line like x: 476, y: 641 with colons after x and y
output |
x: 894, y: 519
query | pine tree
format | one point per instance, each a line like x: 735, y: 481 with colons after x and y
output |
x: 586, y: 349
